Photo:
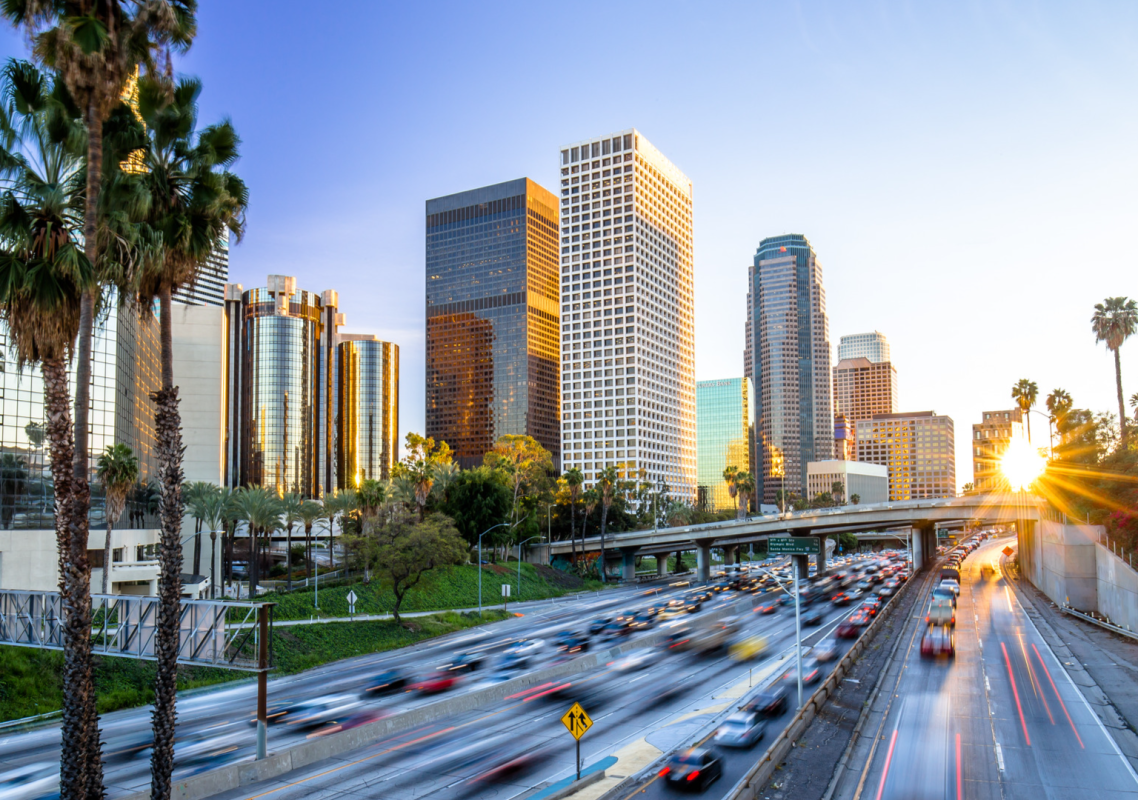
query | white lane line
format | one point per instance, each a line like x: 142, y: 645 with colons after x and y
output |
x: 987, y: 685
x: 999, y: 756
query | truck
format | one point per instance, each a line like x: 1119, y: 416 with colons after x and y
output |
x: 950, y: 573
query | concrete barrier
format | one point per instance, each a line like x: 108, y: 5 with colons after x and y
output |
x: 243, y: 773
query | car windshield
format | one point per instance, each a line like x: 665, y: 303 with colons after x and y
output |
x: 688, y: 758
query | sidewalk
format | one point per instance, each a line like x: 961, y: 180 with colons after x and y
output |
x: 1102, y: 663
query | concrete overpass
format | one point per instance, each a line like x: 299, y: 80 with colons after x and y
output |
x: 916, y: 519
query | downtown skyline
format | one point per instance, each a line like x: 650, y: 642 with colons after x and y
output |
x: 947, y: 188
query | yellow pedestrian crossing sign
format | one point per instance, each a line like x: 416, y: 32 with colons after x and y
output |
x: 576, y: 721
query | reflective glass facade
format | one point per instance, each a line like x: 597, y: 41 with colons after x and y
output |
x: 125, y: 370
x: 208, y: 288
x: 918, y: 448
x: 367, y: 411
x: 491, y: 307
x: 791, y: 364
x: 725, y: 422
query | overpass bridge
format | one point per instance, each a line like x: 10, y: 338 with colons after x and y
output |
x: 916, y: 520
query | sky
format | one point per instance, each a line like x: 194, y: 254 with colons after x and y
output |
x: 965, y: 171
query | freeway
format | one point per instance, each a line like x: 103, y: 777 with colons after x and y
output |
x: 1001, y: 720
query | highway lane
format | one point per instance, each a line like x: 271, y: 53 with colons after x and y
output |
x: 237, y: 703
x: 1001, y: 720
x: 637, y: 715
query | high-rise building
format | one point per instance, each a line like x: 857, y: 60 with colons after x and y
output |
x: 627, y: 306
x: 725, y: 428
x: 791, y: 363
x: 863, y: 388
x: 208, y: 288
x: 917, y: 447
x: 872, y: 345
x: 749, y: 331
x: 367, y: 409
x: 990, y: 439
x: 492, y: 316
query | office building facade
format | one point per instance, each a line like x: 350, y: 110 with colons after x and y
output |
x: 492, y: 318
x: 367, y: 409
x: 725, y: 428
x: 990, y: 440
x: 868, y: 483
x: 627, y: 312
x: 872, y: 345
x: 791, y: 365
x: 918, y: 448
x: 208, y: 288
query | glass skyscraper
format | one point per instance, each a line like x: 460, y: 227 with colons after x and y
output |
x: 367, y: 409
x: 791, y: 365
x: 492, y: 318
x: 872, y: 345
x: 725, y: 423
x: 208, y: 288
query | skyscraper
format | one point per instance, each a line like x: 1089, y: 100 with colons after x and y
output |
x: 918, y: 448
x: 627, y: 324
x: 990, y: 439
x: 367, y: 409
x: 725, y: 424
x: 492, y: 338
x: 791, y: 363
x: 872, y: 345
x: 863, y: 388
x: 208, y: 288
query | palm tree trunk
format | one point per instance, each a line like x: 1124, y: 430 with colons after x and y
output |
x: 74, y: 766
x: 168, y: 433
x: 254, y: 570
x: 573, y: 528
x: 212, y: 564
x: 288, y: 557
x: 604, y: 518
x: 331, y: 545
x: 1027, y: 416
x: 107, y: 558
x: 198, y: 549
x: 1121, y: 405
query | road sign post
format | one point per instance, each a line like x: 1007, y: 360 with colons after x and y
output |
x: 576, y: 721
x: 352, y: 603
x: 505, y: 596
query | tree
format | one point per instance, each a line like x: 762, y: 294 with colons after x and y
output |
x: 194, y: 204
x: 192, y: 492
x: 416, y: 470
x: 605, y: 487
x: 838, y: 492
x: 444, y: 474
x: 212, y: 508
x: 311, y: 512
x: 729, y: 475
x: 523, y: 460
x: 117, y: 471
x: 338, y: 507
x: 44, y: 276
x: 477, y: 500
x: 290, y: 508
x: 1059, y: 404
x: 13, y: 483
x: 1134, y: 405
x: 1024, y: 393
x: 1115, y: 320
x: 573, y: 479
x: 745, y: 485
x: 261, y: 510
x: 404, y: 549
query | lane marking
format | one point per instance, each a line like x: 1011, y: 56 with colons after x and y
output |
x: 1015, y: 691
x: 1000, y: 756
x: 1053, y: 688
x: 888, y: 759
x: 959, y: 791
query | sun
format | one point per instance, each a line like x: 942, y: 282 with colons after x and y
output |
x: 1021, y: 464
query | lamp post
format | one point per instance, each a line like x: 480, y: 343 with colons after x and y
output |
x: 494, y: 527
x: 522, y: 544
x: 1050, y: 431
x: 797, y: 622
x: 655, y: 512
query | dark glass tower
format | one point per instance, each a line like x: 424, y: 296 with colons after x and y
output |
x: 790, y: 358
x: 493, y: 343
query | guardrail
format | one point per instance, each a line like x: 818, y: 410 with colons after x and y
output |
x: 751, y: 786
x: 1102, y: 623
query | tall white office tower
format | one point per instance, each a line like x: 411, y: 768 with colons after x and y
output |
x: 627, y: 313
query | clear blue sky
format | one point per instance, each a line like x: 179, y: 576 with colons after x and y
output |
x: 965, y: 171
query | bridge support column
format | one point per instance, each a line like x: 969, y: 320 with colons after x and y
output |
x: 821, y: 559
x: 628, y: 562
x: 703, y: 560
x: 661, y: 565
x: 680, y: 561
x: 729, y: 557
x: 924, y: 545
x: 803, y: 562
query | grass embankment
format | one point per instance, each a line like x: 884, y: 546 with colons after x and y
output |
x: 453, y: 587
x: 31, y: 680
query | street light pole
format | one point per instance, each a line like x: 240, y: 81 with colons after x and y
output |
x: 797, y: 621
x: 499, y: 525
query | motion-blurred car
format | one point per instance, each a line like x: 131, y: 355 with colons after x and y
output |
x: 786, y: 600
x: 936, y: 642
x: 441, y: 681
x: 741, y: 729
x: 861, y: 618
x: 811, y: 672
x: 321, y: 710
x: 768, y: 608
x: 946, y: 593
x: 572, y: 642
x: 467, y: 662
x: 526, y: 648
x: 694, y: 769
x: 847, y: 630
x: 748, y: 648
x: 770, y: 702
x: 840, y: 599
x: 951, y: 585
x: 389, y: 682
x: 598, y: 625
x: 825, y: 650
x: 642, y: 621
x: 30, y: 780
x: 639, y: 659
x: 813, y: 616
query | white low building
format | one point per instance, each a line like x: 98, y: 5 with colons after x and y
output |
x: 870, y: 482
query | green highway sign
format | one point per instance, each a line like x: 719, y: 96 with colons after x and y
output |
x: 793, y: 545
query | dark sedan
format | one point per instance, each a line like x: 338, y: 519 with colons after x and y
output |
x: 694, y: 769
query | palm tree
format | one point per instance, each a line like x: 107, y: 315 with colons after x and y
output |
x: 1115, y: 320
x: 261, y: 510
x: 1059, y: 405
x: 193, y: 493
x: 117, y: 471
x: 745, y: 485
x: 445, y: 474
x: 606, y: 487
x: 214, y: 512
x: 339, y: 505
x: 194, y: 203
x: 573, y: 479
x: 44, y: 275
x: 311, y: 512
x: 590, y: 498
x: 1134, y: 405
x: 290, y: 507
x: 729, y: 478
x: 1024, y: 393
